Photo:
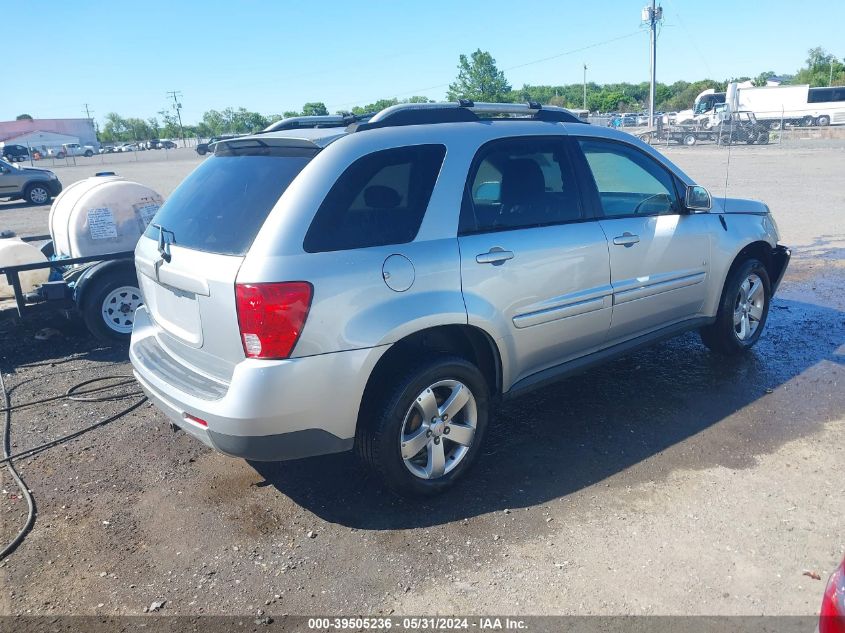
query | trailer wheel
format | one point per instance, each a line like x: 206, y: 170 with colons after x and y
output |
x: 109, y: 304
x: 824, y: 121
x: 690, y: 140
x: 763, y: 138
x: 774, y: 125
x: 807, y: 121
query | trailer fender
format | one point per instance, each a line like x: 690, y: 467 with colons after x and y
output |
x: 88, y: 279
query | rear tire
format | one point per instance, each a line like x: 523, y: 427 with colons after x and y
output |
x: 88, y: 153
x: 108, y: 307
x: 396, y: 420
x: 690, y: 140
x: 743, y: 310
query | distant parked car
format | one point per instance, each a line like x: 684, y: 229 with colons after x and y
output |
x: 110, y: 149
x: 15, y: 153
x: 72, y: 149
x: 166, y: 144
x: 36, y: 186
x: 204, y: 148
x: 126, y: 147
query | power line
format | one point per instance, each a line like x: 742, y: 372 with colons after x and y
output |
x: 509, y: 68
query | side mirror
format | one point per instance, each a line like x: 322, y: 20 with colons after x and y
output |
x: 697, y: 199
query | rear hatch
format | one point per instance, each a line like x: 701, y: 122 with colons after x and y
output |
x: 205, y: 229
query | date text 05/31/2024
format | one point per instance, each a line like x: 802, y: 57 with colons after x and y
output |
x: 417, y: 624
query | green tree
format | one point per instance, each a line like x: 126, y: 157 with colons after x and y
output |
x: 23, y: 117
x: 314, y: 108
x: 822, y: 69
x: 762, y: 79
x: 479, y: 79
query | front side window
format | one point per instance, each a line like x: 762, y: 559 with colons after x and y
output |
x: 629, y: 182
x: 520, y: 183
x: 380, y: 199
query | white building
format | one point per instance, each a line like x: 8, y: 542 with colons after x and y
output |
x: 39, y: 140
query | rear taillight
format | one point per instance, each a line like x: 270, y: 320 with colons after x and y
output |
x: 832, y: 615
x: 271, y: 316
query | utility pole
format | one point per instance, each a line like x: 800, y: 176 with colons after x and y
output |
x: 91, y: 121
x: 585, y: 86
x: 178, y: 107
x: 652, y: 14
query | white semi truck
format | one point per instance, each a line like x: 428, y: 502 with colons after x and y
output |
x: 774, y: 106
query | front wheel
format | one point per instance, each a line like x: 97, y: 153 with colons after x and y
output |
x: 109, y: 306
x: 742, y: 311
x: 88, y: 153
x: 422, y: 434
x: 37, y: 194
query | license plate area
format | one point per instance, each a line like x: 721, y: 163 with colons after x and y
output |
x: 175, y: 311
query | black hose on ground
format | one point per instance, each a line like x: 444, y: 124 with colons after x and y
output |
x: 76, y: 394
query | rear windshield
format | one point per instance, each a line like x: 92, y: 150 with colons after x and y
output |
x: 221, y: 205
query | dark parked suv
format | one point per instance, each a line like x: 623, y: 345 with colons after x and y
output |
x: 15, y: 153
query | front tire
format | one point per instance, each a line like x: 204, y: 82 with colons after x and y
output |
x: 423, y: 432
x: 37, y: 194
x: 742, y: 311
x: 109, y: 306
x: 88, y: 153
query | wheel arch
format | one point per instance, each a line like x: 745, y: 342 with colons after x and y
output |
x: 467, y: 341
x: 87, y: 280
x: 758, y: 249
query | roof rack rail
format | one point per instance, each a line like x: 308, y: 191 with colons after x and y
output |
x: 464, y: 110
x: 318, y: 121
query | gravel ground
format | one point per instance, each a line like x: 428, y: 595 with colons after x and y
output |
x: 668, y: 482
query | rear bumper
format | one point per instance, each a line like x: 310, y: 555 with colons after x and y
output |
x: 269, y: 411
x: 780, y: 261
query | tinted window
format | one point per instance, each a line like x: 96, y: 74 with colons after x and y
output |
x: 520, y: 183
x: 222, y: 204
x: 380, y: 199
x: 826, y: 95
x: 628, y: 181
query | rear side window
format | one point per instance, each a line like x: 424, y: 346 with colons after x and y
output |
x: 380, y: 199
x: 221, y: 205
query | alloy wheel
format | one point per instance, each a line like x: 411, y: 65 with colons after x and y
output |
x: 749, y: 306
x: 438, y: 429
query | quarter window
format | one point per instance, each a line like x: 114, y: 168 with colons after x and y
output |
x: 628, y: 181
x: 380, y: 199
x: 520, y: 183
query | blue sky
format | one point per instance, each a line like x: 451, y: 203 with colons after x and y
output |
x: 274, y: 56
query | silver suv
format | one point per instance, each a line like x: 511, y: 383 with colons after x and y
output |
x: 380, y: 286
x: 36, y: 186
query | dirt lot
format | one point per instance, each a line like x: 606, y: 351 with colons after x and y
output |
x: 669, y: 482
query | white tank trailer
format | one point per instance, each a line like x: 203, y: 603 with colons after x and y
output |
x: 99, y: 217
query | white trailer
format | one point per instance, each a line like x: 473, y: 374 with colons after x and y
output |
x: 774, y: 106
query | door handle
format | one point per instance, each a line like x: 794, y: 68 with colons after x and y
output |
x: 496, y: 256
x: 626, y: 239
